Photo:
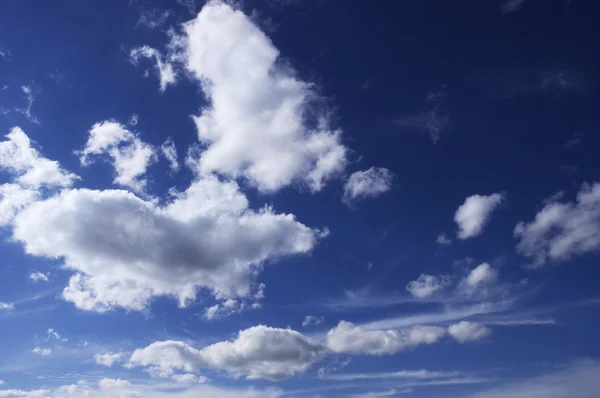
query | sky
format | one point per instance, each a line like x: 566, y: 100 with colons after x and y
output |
x: 284, y: 198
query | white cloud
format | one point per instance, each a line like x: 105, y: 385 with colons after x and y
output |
x: 39, y: 276
x: 44, y: 352
x: 53, y: 334
x: 206, y: 237
x: 421, y: 374
x: 561, y: 231
x: 6, y: 306
x: 388, y: 393
x: 473, y: 215
x: 13, y: 199
x: 259, y: 352
x: 443, y: 239
x: 261, y: 123
x: 312, y: 320
x: 5, y: 53
x: 231, y: 306
x: 482, y: 274
x: 465, y: 331
x: 108, y: 359
x: 166, y: 71
x: 27, y: 111
x: 433, y: 120
x: 153, y: 18
x: 130, y: 156
x: 580, y: 380
x: 427, y: 285
x: 348, y: 338
x: 169, y: 151
x: 133, y: 120
x: 367, y: 184
x: 18, y: 157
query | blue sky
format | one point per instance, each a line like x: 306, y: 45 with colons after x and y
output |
x: 299, y: 199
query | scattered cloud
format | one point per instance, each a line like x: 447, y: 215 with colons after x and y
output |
x: 56, y: 75
x: 427, y: 285
x: 39, y: 276
x: 433, y: 120
x: 44, y: 352
x: 312, y: 320
x: 153, y: 18
x: 473, y: 215
x: 348, y: 338
x: 54, y: 335
x: 574, y: 142
x: 561, y: 231
x: 108, y: 359
x: 129, y: 155
x: 6, y: 306
x: 388, y: 393
x: 27, y: 110
x: 169, y: 151
x: 5, y: 53
x: 443, y: 239
x: 259, y: 352
x: 369, y: 183
x: 165, y: 69
x: 510, y: 6
x: 133, y: 120
x: 465, y: 331
x: 231, y: 306
x: 482, y: 274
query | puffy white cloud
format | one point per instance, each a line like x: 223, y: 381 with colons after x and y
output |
x: 367, y: 184
x: 234, y: 306
x: 465, y: 331
x: 39, y: 276
x: 473, y: 215
x: 481, y: 275
x: 259, y: 352
x: 312, y: 320
x: 261, y: 123
x: 206, y: 237
x: 44, y: 352
x: 32, y: 170
x: 348, y: 338
x: 561, y: 231
x: 166, y: 71
x: 6, y: 306
x: 169, y: 151
x: 131, y: 157
x: 427, y: 285
x: 108, y: 359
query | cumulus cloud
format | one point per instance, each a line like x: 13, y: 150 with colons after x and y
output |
x: 108, y: 359
x: 261, y: 123
x: 312, y: 320
x: 561, y: 231
x: 130, y: 156
x: 206, y: 237
x: 473, y: 215
x: 39, y: 276
x: 259, y: 352
x: 465, y: 331
x: 443, y: 239
x: 165, y: 70
x: 348, y: 338
x: 169, y: 151
x: 32, y: 170
x: 367, y: 184
x: 6, y: 306
x: 427, y: 285
x: 482, y: 274
x: 44, y: 352
x: 13, y: 199
x: 235, y: 306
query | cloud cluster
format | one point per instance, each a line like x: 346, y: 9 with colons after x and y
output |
x: 427, y: 285
x: 473, y: 215
x: 561, y: 231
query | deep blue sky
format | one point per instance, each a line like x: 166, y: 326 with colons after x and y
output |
x: 457, y: 121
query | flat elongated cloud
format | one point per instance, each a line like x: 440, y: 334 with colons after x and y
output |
x: 367, y: 184
x: 561, y: 231
x: 348, y: 338
x: 39, y: 276
x: 130, y: 156
x: 205, y: 238
x: 465, y: 331
x: 259, y: 352
x: 260, y: 124
x: 473, y: 215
